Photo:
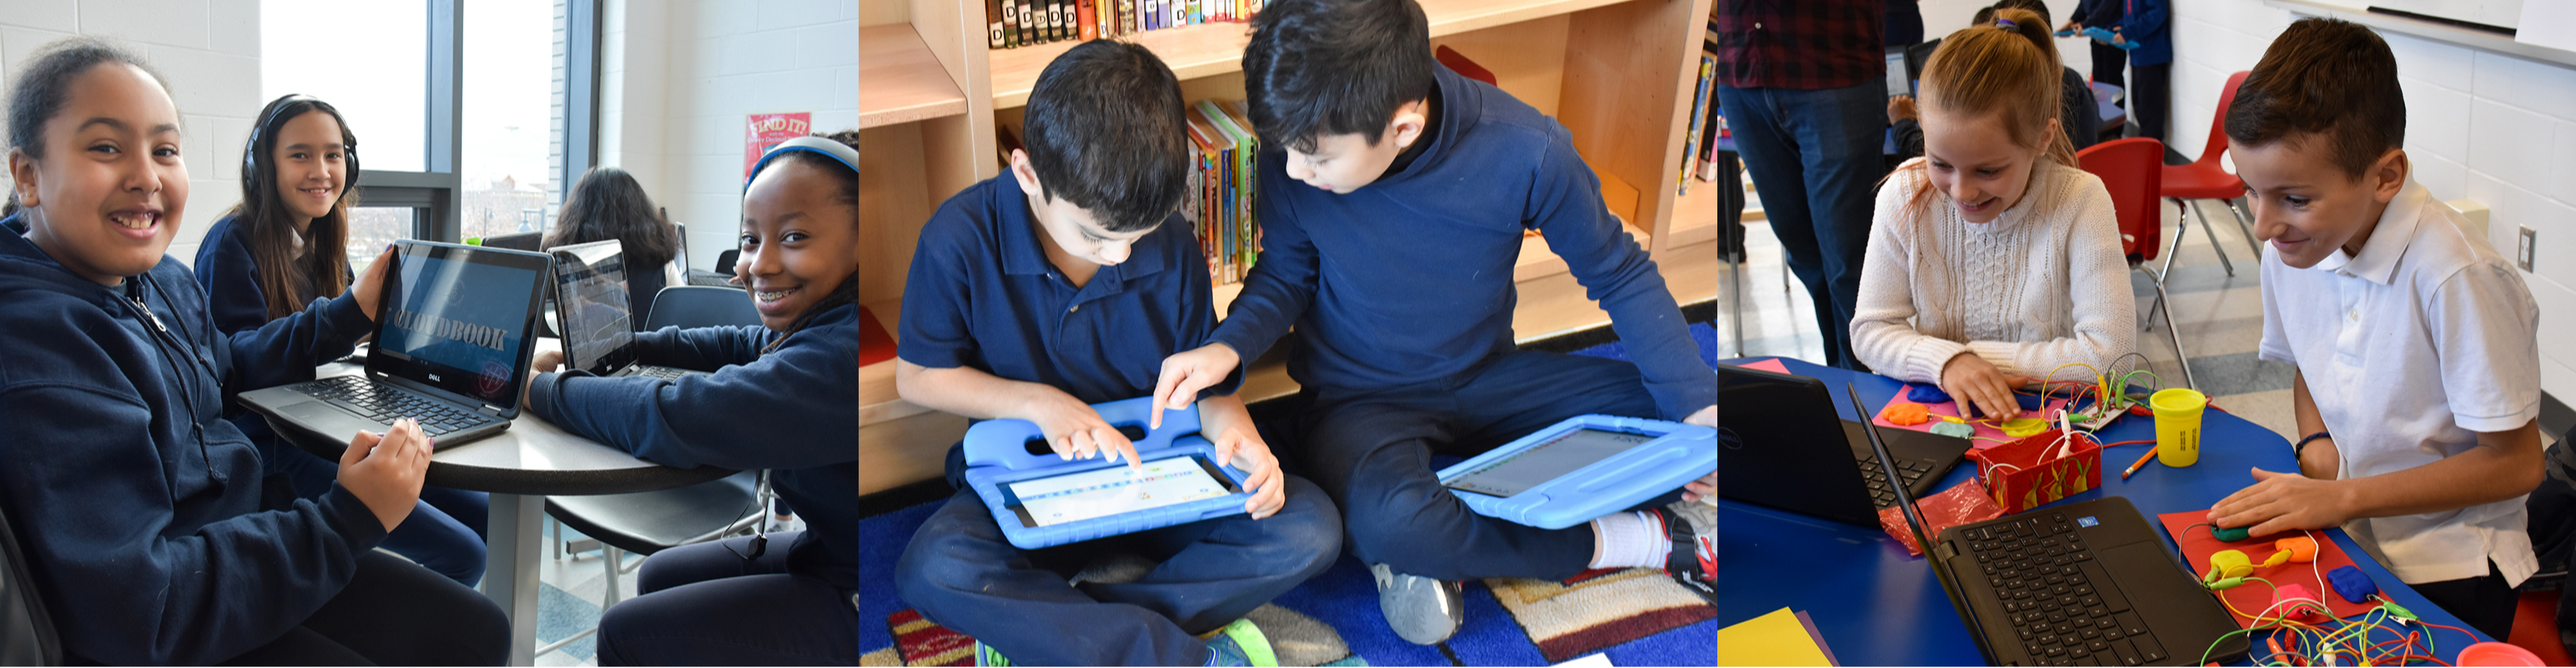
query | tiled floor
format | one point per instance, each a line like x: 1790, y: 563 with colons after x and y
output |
x: 2221, y: 317
x: 574, y: 585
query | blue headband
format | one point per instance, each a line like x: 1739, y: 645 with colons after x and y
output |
x: 837, y: 151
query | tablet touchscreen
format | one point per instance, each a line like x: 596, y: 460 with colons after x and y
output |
x: 1074, y: 497
x: 1545, y: 461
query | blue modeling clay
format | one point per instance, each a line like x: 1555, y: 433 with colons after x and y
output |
x: 2352, y: 584
x: 1927, y: 394
x: 1954, y: 429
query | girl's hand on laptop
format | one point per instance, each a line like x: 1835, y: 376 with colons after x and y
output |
x: 385, y: 470
x: 1971, y: 380
x: 1075, y: 431
x: 370, y: 286
x: 547, y: 361
x: 2280, y: 502
x: 1243, y: 449
x: 1187, y: 372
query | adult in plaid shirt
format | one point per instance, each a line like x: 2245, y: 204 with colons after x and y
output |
x: 1803, y: 86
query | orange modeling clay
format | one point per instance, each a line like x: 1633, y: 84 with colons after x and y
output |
x: 1906, y: 413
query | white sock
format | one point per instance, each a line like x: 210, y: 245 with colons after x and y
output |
x: 1632, y: 540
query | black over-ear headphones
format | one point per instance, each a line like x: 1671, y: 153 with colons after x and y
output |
x: 255, y: 181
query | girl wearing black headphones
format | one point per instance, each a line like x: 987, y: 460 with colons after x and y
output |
x: 283, y: 247
x: 784, y: 396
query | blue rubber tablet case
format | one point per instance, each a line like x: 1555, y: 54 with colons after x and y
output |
x: 998, y: 455
x: 1658, y: 457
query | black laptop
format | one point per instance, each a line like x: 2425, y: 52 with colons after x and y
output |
x: 2084, y: 584
x: 595, y: 314
x: 451, y: 349
x: 1784, y: 447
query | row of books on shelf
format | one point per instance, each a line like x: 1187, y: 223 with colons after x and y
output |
x: 1699, y: 144
x: 1219, y: 206
x: 1017, y: 23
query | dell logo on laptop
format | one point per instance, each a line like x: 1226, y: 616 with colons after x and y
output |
x: 435, y: 379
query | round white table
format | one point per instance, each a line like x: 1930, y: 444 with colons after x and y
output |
x: 520, y: 467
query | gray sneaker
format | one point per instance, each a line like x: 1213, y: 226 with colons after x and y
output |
x: 1422, y: 610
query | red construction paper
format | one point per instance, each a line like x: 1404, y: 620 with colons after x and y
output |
x: 1988, y: 436
x: 2253, y: 597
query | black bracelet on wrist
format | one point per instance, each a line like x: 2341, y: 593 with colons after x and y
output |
x: 2301, y: 447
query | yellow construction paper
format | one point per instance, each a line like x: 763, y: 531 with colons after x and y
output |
x: 1775, y: 639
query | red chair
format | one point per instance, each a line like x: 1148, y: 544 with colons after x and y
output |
x: 2205, y: 179
x: 2133, y: 170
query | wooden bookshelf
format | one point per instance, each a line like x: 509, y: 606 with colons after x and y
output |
x: 905, y: 80
x: 1618, y: 74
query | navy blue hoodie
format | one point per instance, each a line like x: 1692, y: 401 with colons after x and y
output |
x: 235, y: 302
x: 1409, y: 279
x: 136, y: 503
x: 794, y: 410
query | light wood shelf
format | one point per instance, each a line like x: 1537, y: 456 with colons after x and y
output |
x: 905, y: 80
x: 1695, y: 215
x: 1217, y: 48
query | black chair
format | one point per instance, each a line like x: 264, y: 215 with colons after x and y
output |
x: 26, y: 633
x: 526, y: 241
x: 700, y: 306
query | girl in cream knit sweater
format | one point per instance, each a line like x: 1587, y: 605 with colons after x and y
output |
x: 1992, y: 260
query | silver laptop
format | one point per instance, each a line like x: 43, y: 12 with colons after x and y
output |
x: 451, y: 349
x: 595, y: 312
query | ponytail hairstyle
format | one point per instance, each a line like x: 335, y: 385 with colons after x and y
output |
x: 2007, y: 69
x: 267, y: 225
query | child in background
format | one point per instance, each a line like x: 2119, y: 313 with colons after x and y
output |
x: 607, y: 204
x: 2418, y: 382
x: 1993, y: 259
x: 1058, y: 286
x: 137, y: 506
x: 284, y: 247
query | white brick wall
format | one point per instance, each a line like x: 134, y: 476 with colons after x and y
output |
x: 2480, y: 125
x: 209, y: 52
x: 684, y: 75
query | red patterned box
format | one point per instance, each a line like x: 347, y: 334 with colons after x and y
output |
x: 2035, y: 470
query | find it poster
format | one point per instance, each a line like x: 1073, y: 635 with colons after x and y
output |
x: 769, y: 130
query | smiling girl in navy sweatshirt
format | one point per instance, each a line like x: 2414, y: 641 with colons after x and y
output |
x: 283, y: 247
x: 783, y: 395
x: 136, y: 506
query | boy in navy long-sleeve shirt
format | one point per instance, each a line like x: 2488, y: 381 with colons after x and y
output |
x: 1390, y: 226
x: 1061, y: 285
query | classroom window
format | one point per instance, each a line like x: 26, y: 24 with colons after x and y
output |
x: 369, y: 59
x: 372, y: 227
x: 513, y: 116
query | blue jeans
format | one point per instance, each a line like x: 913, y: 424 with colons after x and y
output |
x: 444, y: 532
x: 961, y: 572
x: 705, y: 605
x: 1371, y: 451
x: 1815, y: 159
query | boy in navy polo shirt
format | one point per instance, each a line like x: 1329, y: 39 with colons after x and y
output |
x: 1063, y: 284
x: 1390, y: 226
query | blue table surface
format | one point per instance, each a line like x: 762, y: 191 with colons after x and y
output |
x: 1875, y: 605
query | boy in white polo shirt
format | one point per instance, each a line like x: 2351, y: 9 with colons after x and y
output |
x: 2418, y: 388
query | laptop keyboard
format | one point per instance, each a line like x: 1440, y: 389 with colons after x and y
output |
x: 1909, y: 470
x: 384, y: 404
x: 662, y: 372
x: 2059, y: 600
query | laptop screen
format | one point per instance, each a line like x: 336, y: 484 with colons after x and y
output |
x: 592, y: 300
x: 457, y: 318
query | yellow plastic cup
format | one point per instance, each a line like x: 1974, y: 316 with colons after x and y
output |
x: 2177, y: 425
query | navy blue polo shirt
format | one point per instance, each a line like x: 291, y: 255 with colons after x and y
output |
x: 982, y: 294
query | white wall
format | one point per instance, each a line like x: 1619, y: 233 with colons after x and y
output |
x: 682, y: 75
x: 2479, y: 125
x: 209, y: 52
